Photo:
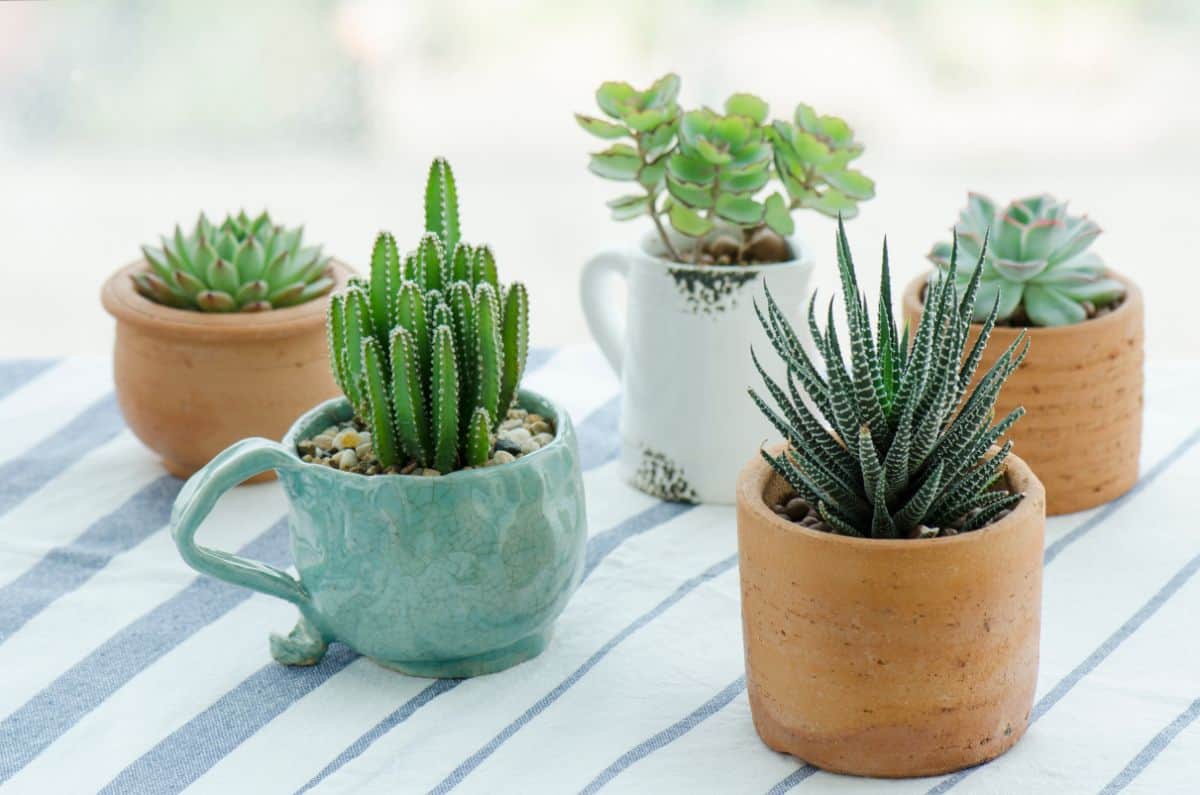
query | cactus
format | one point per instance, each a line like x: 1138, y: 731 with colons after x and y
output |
x: 909, y: 456
x: 430, y: 351
x: 1037, y: 267
x: 714, y: 167
x: 244, y: 264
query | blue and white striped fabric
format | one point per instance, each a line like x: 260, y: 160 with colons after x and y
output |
x: 122, y: 671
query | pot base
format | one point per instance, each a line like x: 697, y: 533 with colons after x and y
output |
x: 466, y: 667
x: 898, y: 752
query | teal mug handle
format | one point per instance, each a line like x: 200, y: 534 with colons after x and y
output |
x: 241, y: 460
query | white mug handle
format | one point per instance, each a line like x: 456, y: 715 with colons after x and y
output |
x: 604, y: 321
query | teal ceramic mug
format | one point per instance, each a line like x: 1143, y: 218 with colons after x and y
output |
x: 450, y: 576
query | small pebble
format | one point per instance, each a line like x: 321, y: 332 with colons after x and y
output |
x: 324, y: 441
x: 365, y: 450
x: 924, y: 531
x: 529, y: 447
x: 507, y: 446
x: 347, y: 439
x: 518, y: 413
x: 346, y: 459
x: 543, y: 439
x: 518, y: 435
x: 537, y: 428
x: 530, y: 419
x: 409, y: 468
x: 503, y: 457
x: 796, y: 509
x: 430, y: 473
x: 508, y: 425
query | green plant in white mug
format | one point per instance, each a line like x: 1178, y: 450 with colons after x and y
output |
x: 704, y: 172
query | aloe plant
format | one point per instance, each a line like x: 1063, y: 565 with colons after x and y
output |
x: 700, y: 170
x: 242, y: 264
x: 909, y: 451
x: 1038, y: 267
x: 430, y: 351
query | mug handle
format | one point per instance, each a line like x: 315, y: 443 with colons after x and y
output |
x: 237, y: 462
x: 604, y: 322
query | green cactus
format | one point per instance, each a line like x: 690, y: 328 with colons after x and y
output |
x: 715, y: 167
x: 428, y: 351
x: 1037, y: 266
x: 243, y: 264
x: 909, y: 454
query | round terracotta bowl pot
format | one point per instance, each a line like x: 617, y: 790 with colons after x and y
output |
x: 890, y: 658
x: 1081, y: 386
x: 191, y: 383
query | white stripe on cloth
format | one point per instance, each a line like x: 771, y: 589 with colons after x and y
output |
x: 51, y: 400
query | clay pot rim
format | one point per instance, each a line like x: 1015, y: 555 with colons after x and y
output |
x: 752, y: 484
x: 802, y: 257
x: 121, y: 300
x: 913, y: 304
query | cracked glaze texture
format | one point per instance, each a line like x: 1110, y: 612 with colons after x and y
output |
x: 448, y: 576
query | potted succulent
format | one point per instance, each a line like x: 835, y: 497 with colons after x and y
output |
x: 1082, y: 382
x: 719, y: 189
x: 437, y: 510
x: 220, y: 335
x: 891, y: 567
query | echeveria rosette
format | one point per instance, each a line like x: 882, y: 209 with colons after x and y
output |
x: 244, y: 264
x: 812, y: 158
x: 1037, y: 261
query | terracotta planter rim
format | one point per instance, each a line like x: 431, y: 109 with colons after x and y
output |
x: 801, y: 258
x: 757, y: 474
x: 1133, y: 297
x: 124, y: 303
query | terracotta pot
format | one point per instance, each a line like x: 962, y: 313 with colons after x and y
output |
x: 1081, y: 386
x: 890, y: 658
x: 192, y: 383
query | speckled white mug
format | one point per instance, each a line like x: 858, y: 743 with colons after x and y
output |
x: 682, y: 350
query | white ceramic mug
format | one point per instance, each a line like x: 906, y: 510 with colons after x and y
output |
x: 682, y: 350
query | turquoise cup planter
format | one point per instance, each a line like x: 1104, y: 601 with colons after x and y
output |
x: 452, y: 576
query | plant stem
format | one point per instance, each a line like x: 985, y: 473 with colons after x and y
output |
x: 709, y: 213
x: 662, y: 233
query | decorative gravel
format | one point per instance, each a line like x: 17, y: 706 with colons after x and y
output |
x: 347, y: 445
x: 795, y: 509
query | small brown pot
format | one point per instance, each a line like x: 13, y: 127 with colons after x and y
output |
x: 192, y: 383
x: 1081, y: 386
x: 890, y: 658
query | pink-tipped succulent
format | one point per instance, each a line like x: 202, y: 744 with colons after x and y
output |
x: 244, y: 264
x: 1037, y: 268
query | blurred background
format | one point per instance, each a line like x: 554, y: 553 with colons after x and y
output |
x: 120, y: 118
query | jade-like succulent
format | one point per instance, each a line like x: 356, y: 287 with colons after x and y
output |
x: 908, y: 456
x: 1037, y: 267
x: 714, y: 167
x: 431, y: 350
x: 244, y: 264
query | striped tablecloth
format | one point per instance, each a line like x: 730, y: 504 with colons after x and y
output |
x: 122, y: 671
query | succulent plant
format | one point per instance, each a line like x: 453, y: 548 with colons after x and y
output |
x: 244, y: 264
x: 1037, y: 267
x: 713, y: 167
x: 908, y: 455
x: 431, y: 350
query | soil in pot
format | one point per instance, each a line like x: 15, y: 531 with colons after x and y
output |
x: 347, y: 445
x: 762, y: 247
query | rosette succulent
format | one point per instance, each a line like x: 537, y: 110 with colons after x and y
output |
x: 1037, y: 268
x: 909, y: 453
x: 431, y: 350
x: 243, y: 264
x: 705, y: 173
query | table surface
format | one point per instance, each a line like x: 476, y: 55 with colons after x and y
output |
x: 122, y: 670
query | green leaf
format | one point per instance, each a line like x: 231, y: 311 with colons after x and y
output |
x: 408, y: 400
x: 690, y: 195
x: 748, y: 180
x: 478, y: 442
x: 646, y: 120
x: 747, y: 105
x: 663, y: 92
x: 688, y: 222
x: 1047, y: 306
x: 690, y: 169
x: 651, y: 175
x: 444, y: 389
x: 514, y: 334
x: 853, y: 184
x: 625, y: 208
x: 777, y: 216
x: 601, y: 128
x: 711, y: 153
x: 740, y: 210
x: 216, y: 301
x: 489, y: 353
x: 612, y: 97
x: 441, y: 204
x: 379, y: 404
x: 620, y: 162
x: 834, y: 203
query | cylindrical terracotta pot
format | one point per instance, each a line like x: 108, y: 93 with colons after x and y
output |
x: 192, y: 383
x: 1081, y: 386
x: 890, y: 658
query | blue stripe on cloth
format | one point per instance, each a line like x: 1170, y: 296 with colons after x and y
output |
x: 383, y: 727
x: 477, y: 758
x: 18, y: 372
x: 598, y: 439
x: 1153, y: 749
x: 44, y: 718
x: 1098, y: 656
x: 667, y: 735
x: 1162, y: 466
x: 65, y: 568
x: 600, y: 545
x: 25, y: 474
x: 793, y: 779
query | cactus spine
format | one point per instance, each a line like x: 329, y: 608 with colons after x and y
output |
x: 431, y: 350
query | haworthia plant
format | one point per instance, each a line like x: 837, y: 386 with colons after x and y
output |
x: 243, y: 264
x: 699, y: 169
x: 430, y: 351
x: 909, y: 453
x: 1038, y: 267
